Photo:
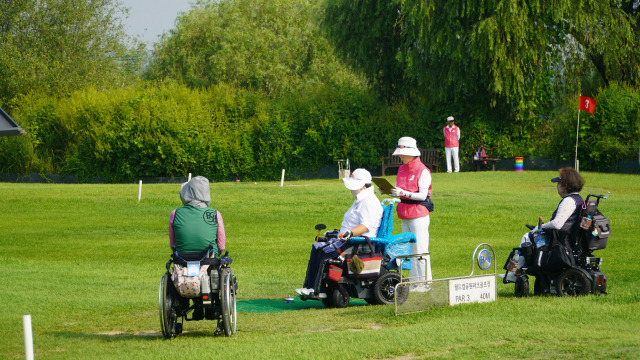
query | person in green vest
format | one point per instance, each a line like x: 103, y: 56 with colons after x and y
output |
x: 194, y: 226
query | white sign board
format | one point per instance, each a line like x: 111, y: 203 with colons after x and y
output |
x: 473, y: 289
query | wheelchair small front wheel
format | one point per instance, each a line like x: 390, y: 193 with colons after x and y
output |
x: 521, y: 289
x: 340, y: 296
x: 229, y: 315
x: 327, y: 288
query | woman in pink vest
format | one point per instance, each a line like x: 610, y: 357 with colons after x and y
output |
x: 413, y: 186
x: 451, y: 144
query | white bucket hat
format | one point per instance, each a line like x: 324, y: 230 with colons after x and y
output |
x: 358, y: 178
x: 407, y: 146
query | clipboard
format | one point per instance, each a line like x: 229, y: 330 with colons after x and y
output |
x: 383, y: 184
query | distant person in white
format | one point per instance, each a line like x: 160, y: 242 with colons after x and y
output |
x: 452, y: 144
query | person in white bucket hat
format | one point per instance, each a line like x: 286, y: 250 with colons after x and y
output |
x: 362, y: 219
x: 452, y: 144
x: 413, y: 187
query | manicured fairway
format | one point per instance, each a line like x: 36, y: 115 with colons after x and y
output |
x: 85, y: 262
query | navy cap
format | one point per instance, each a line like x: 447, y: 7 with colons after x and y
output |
x: 556, y: 179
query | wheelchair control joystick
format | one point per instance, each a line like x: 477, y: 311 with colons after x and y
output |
x: 320, y: 227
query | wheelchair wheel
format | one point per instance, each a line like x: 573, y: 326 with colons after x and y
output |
x: 229, y: 315
x: 168, y: 304
x: 521, y: 289
x: 573, y: 282
x: 384, y: 289
x: 340, y: 296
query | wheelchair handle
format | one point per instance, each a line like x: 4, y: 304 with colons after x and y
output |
x: 599, y: 197
x: 225, y: 259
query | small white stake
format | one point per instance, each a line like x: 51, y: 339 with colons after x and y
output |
x: 28, y: 337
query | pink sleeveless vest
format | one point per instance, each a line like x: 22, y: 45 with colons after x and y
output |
x: 451, y: 136
x: 408, y: 176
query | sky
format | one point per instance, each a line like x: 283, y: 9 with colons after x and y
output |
x: 150, y: 18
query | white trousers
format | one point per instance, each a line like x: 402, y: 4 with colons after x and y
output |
x: 420, y: 227
x: 449, y: 153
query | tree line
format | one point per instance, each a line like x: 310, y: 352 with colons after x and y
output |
x: 244, y: 88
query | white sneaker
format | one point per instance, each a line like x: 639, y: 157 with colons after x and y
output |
x: 300, y: 291
x: 308, y: 291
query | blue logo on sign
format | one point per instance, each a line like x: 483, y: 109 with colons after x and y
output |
x: 485, y: 259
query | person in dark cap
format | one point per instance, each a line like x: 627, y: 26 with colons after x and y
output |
x: 569, y: 183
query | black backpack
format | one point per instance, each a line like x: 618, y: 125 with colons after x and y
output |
x: 593, y: 228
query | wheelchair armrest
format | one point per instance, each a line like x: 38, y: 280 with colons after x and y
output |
x: 358, y: 240
x: 394, y: 239
x: 404, y: 237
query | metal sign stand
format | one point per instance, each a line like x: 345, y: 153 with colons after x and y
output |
x: 475, y: 287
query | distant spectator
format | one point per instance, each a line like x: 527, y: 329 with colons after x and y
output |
x: 451, y: 144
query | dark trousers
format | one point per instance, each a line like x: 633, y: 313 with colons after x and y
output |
x: 319, y: 253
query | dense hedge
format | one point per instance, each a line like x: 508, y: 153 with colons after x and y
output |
x: 221, y: 132
x: 167, y: 129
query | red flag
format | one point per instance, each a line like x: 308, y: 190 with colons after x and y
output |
x: 587, y: 104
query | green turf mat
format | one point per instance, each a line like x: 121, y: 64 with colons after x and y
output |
x: 278, y: 305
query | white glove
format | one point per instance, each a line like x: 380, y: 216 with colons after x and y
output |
x: 397, y: 192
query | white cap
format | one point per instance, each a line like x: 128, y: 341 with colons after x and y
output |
x: 358, y: 178
x: 450, y: 118
x: 407, y: 146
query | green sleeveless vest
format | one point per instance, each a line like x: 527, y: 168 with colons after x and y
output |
x: 195, y: 228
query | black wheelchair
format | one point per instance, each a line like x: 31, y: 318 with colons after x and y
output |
x: 378, y: 286
x: 213, y: 296
x: 565, y: 265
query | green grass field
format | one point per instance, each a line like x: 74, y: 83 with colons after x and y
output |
x: 85, y: 262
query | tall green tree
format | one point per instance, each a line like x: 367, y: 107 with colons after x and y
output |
x: 57, y: 46
x: 492, y: 51
x: 273, y: 46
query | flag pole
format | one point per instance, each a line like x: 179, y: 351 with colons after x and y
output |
x: 577, y: 133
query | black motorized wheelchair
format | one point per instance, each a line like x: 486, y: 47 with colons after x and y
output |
x: 565, y: 265
x: 338, y: 284
x: 214, y: 297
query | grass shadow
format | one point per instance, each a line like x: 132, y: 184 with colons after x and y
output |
x: 119, y: 336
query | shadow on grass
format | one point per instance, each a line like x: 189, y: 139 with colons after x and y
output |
x: 115, y: 336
